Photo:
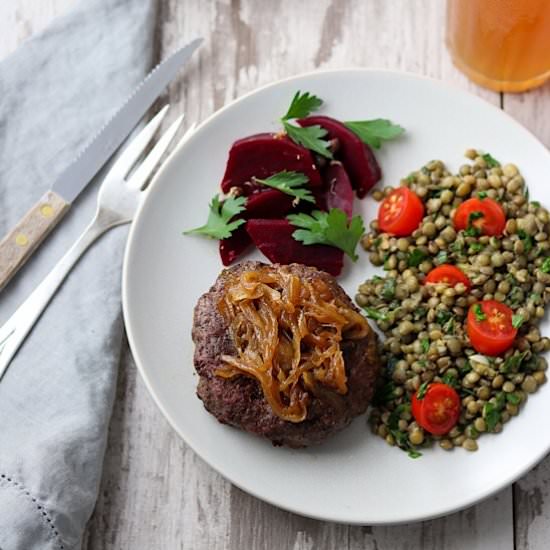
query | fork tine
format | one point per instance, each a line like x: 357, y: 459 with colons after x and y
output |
x: 145, y: 169
x: 135, y: 148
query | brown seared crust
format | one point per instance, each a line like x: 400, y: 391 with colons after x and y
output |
x: 239, y: 402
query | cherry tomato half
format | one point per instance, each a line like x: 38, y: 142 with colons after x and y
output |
x: 489, y: 327
x: 449, y: 274
x: 436, y: 411
x: 485, y: 215
x: 400, y: 212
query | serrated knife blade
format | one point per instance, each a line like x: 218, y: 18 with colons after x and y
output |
x: 19, y: 244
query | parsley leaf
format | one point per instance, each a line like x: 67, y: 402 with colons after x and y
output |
x: 517, y: 320
x: 310, y: 137
x: 374, y: 132
x: 545, y: 267
x: 490, y: 160
x: 302, y: 105
x: 376, y: 314
x: 513, y: 398
x: 472, y: 231
x: 482, y: 194
x: 478, y: 312
x: 527, y: 239
x: 416, y: 257
x: 331, y: 228
x: 422, y: 390
x: 388, y: 290
x: 289, y: 183
x: 414, y: 454
x: 219, y: 224
x: 425, y: 342
x: 450, y: 380
x: 491, y: 416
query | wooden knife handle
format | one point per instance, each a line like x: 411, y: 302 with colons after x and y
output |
x: 17, y: 246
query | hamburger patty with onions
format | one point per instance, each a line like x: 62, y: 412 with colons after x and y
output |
x: 282, y: 352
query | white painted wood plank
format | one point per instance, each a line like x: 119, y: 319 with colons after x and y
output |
x: 532, y: 492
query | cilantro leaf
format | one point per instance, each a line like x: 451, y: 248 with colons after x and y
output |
x: 219, y: 224
x: 490, y: 160
x: 373, y: 132
x: 302, y: 105
x: 289, y: 183
x: 331, y: 228
x: 310, y: 137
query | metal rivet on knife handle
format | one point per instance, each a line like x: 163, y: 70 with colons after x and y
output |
x: 20, y: 242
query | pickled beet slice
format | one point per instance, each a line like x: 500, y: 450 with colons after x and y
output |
x: 269, y: 203
x: 357, y: 157
x: 339, y: 193
x: 263, y: 155
x: 274, y: 239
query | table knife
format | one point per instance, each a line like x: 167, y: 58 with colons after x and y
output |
x: 18, y: 245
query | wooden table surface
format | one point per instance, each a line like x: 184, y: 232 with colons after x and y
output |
x: 156, y: 493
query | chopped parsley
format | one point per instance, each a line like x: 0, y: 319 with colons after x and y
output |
x: 422, y: 390
x: 478, y: 312
x: 425, y: 342
x: 517, y: 320
x: 545, y: 267
x: 377, y: 315
x: 416, y: 257
x: 490, y: 160
x: 388, y: 290
x: 513, y: 398
x: 527, y: 239
x: 491, y: 416
x: 482, y: 195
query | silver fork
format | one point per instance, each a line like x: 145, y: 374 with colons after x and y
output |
x: 118, y: 199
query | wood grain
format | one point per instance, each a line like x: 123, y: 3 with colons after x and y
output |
x: 23, y: 239
x: 156, y: 493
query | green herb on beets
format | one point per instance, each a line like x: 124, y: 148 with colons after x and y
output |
x: 290, y: 183
x: 331, y: 228
x: 219, y: 224
x: 490, y: 160
x: 374, y: 132
x: 310, y: 137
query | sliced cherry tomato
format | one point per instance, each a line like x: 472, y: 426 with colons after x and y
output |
x: 489, y: 327
x: 449, y: 274
x: 484, y: 215
x: 437, y: 408
x: 400, y: 212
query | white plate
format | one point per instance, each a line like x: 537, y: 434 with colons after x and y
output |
x: 354, y: 477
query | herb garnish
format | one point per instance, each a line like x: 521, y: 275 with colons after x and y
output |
x: 513, y: 363
x: 425, y: 342
x: 490, y: 160
x: 331, y: 228
x: 289, y: 183
x: 449, y: 379
x: 416, y: 257
x: 517, y: 320
x: 219, y: 224
x: 310, y: 137
x: 478, y: 312
x: 491, y: 416
x: 388, y: 290
x: 374, y: 132
x: 527, y: 239
x: 422, y: 390
x: 377, y: 315
x: 513, y: 398
x: 482, y: 195
x: 442, y: 257
x: 545, y: 267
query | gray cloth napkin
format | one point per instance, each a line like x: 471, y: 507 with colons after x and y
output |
x: 56, y: 398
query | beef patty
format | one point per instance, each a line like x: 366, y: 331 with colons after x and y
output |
x: 239, y: 401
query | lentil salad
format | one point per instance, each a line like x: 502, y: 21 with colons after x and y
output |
x: 426, y: 341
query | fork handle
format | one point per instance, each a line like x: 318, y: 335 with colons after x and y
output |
x: 18, y: 245
x: 16, y: 329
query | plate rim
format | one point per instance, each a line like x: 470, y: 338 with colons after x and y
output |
x: 126, y: 306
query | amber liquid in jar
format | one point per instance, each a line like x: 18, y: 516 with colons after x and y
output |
x: 503, y: 45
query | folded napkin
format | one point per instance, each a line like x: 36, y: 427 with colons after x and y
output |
x: 56, y: 398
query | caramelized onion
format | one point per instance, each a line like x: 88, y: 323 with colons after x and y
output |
x: 287, y: 332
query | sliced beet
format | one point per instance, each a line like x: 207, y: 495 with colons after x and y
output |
x: 339, y: 193
x: 274, y: 239
x: 263, y: 155
x: 357, y: 157
x: 268, y: 203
